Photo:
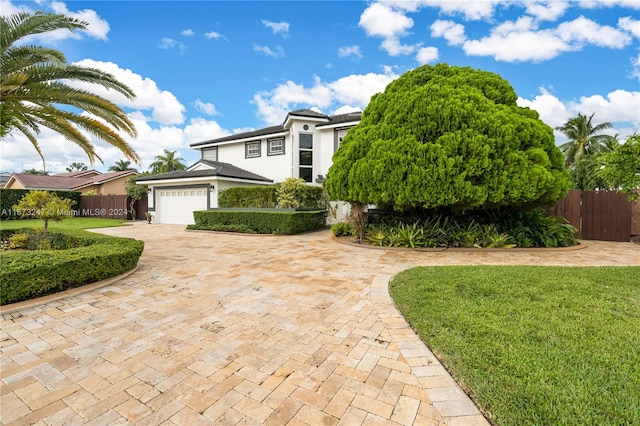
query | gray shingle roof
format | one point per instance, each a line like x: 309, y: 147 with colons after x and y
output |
x: 342, y: 118
x: 336, y: 119
x: 244, y: 135
x: 218, y: 169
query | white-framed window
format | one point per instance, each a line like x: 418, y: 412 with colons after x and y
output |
x: 210, y: 154
x: 305, y: 160
x: 275, y: 146
x: 252, y: 149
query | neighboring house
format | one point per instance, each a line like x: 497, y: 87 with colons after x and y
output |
x: 83, y: 181
x: 301, y: 147
x: 4, y: 177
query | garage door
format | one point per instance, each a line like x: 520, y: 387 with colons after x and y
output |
x: 176, y: 205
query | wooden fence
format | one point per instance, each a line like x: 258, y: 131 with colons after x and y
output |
x: 600, y: 215
x: 110, y: 207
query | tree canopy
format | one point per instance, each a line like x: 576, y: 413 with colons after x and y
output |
x: 445, y: 136
x: 585, y: 138
x: 34, y: 83
x: 621, y: 167
x: 168, y: 162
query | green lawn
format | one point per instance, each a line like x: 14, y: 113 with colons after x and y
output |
x: 533, y: 345
x: 71, y: 223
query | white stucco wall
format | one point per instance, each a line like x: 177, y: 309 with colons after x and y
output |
x: 275, y: 167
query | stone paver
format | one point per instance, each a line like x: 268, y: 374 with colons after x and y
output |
x: 236, y: 329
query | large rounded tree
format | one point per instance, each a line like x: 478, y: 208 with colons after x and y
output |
x: 444, y: 136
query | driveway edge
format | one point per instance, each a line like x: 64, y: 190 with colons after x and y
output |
x: 448, y: 398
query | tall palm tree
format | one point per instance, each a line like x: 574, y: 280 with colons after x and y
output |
x: 76, y: 167
x: 33, y: 84
x: 121, y: 166
x: 583, y: 138
x: 167, y: 162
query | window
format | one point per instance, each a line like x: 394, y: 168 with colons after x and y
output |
x: 305, y: 163
x: 339, y: 136
x: 275, y: 146
x: 252, y: 149
x: 210, y: 154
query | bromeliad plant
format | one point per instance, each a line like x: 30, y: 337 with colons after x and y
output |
x: 479, y: 230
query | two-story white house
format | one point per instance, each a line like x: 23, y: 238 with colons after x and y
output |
x: 302, y: 147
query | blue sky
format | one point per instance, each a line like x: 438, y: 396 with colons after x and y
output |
x: 206, y: 69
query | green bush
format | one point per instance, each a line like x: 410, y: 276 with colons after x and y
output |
x: 343, y: 229
x: 256, y: 197
x: 11, y: 197
x: 261, y: 221
x: 268, y: 197
x: 28, y: 274
x: 480, y: 229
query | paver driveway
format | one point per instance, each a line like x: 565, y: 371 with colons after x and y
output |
x: 233, y: 329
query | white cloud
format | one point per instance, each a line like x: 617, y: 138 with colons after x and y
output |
x: 427, y: 54
x: 151, y: 141
x: 345, y: 51
x: 277, y: 53
x: 345, y: 109
x: 205, y: 107
x: 169, y: 43
x: 635, y: 64
x: 452, y: 32
x: 629, y: 24
x: 620, y: 107
x: 521, y: 41
x: 97, y: 27
x: 353, y: 91
x: 214, y: 35
x: 394, y: 48
x: 381, y: 20
x: 277, y: 27
x: 583, y: 30
x: 164, y: 106
x: 547, y: 10
x: 187, y: 33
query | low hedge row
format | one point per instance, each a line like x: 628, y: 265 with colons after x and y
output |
x: 260, y: 221
x: 93, y: 257
x: 266, y: 197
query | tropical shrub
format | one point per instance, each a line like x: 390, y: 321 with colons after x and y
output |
x: 44, y: 205
x: 11, y: 197
x: 342, y: 229
x: 448, y: 137
x: 481, y: 229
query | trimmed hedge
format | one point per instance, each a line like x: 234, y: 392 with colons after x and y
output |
x: 92, y: 257
x: 257, y: 197
x: 11, y: 197
x: 266, y: 197
x: 260, y: 221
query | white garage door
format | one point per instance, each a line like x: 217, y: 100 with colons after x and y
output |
x: 176, y: 205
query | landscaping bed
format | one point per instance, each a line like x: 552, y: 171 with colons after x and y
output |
x: 72, y: 259
x: 533, y: 345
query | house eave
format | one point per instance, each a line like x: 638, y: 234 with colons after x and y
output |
x: 240, y: 140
